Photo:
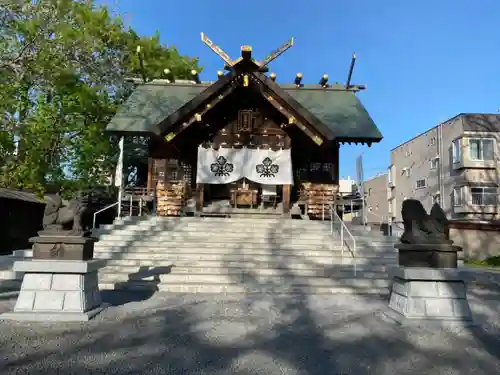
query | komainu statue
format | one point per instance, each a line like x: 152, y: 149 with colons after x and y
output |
x: 69, y: 218
x: 421, y: 228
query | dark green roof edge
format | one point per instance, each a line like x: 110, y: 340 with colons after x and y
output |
x: 337, y: 108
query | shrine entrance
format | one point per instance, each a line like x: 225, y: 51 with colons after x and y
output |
x: 243, y: 178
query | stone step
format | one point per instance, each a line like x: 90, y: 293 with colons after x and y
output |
x: 245, y: 251
x: 216, y: 267
x: 185, y: 259
x: 225, y: 221
x: 270, y: 219
x: 165, y: 274
x: 259, y: 224
x: 216, y: 228
x: 158, y: 245
x: 296, y: 245
x: 219, y: 223
x: 264, y: 248
x: 8, y: 274
x: 236, y: 234
x: 242, y: 240
x: 203, y: 288
x: 215, y: 237
x: 275, y: 279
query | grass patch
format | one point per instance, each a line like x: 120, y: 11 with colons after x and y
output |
x: 489, y: 262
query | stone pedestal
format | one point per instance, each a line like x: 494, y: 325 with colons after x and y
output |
x: 440, y: 255
x: 62, y: 246
x: 427, y: 296
x: 57, y: 290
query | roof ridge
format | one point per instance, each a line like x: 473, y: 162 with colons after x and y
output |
x: 285, y: 86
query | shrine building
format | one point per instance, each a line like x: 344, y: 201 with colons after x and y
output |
x: 244, y: 139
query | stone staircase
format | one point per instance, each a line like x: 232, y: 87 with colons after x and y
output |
x: 237, y: 255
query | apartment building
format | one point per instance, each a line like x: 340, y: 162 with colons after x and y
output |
x: 347, y: 186
x: 455, y: 163
x: 376, y: 196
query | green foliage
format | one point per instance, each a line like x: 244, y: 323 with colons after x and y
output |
x: 489, y: 262
x: 62, y: 70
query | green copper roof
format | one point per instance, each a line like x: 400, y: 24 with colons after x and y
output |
x: 149, y: 104
x: 340, y: 110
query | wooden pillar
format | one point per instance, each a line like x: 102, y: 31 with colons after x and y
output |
x: 336, y: 155
x: 286, y: 198
x: 287, y: 189
x: 150, y: 173
x: 200, y: 188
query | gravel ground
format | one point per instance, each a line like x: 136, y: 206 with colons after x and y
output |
x: 194, y: 334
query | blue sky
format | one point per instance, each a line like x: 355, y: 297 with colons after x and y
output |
x: 423, y: 61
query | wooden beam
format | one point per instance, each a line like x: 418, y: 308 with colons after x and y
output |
x: 277, y: 52
x: 200, y: 188
x: 197, y: 117
x: 150, y: 173
x: 287, y: 189
x: 293, y: 120
x: 281, y: 93
x: 219, y: 51
x: 194, y: 104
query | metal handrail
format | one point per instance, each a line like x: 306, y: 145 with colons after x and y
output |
x: 101, y: 210
x: 334, y: 216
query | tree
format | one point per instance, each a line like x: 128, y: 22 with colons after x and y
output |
x: 62, y: 70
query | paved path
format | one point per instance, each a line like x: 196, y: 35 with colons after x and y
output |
x: 325, y: 335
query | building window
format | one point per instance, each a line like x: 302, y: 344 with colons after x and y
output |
x: 481, y: 149
x: 458, y: 196
x: 408, y: 151
x: 433, y: 141
x: 456, y: 151
x: 484, y: 196
x: 434, y: 163
x: 408, y: 172
x: 389, y: 175
x: 369, y: 192
x: 420, y: 184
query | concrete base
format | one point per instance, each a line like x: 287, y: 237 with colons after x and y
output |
x: 429, y: 297
x: 56, y: 290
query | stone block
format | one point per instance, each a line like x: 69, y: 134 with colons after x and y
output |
x: 435, y: 297
x: 67, y: 281
x: 57, y: 291
x: 400, y: 287
x: 39, y: 266
x: 398, y: 303
x: 25, y: 301
x: 91, y: 280
x: 441, y: 255
x: 415, y: 306
x: 75, y: 301
x: 49, y: 300
x: 37, y: 281
x: 439, y: 307
x: 63, y: 247
x: 452, y: 289
x: 423, y: 288
x: 461, y: 308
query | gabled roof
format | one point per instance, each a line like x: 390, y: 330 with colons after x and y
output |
x: 339, y: 111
